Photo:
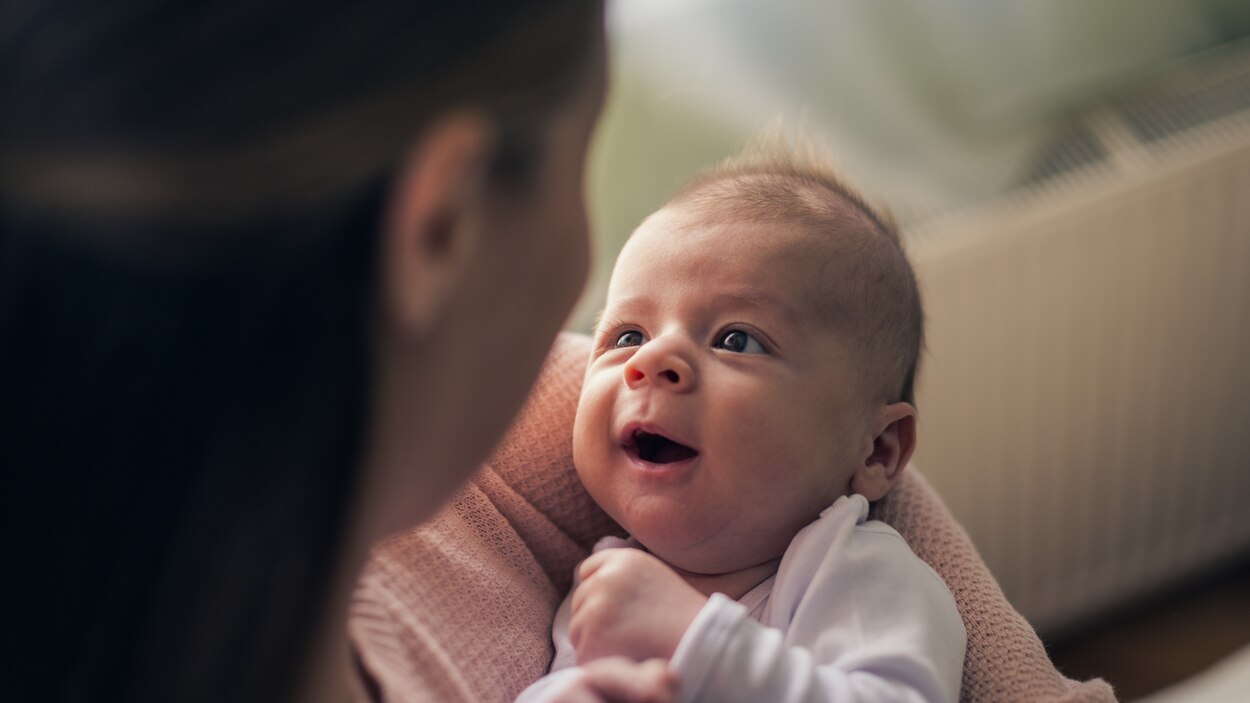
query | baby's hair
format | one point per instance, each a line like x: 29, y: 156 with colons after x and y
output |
x: 874, y: 295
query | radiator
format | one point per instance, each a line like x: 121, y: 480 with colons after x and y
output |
x: 1085, y: 395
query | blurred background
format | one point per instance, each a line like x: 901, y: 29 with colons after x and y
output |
x: 1073, y: 179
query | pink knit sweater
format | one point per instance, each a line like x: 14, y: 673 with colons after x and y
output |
x: 460, y: 609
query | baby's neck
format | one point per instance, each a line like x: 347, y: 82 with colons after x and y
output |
x: 734, y: 584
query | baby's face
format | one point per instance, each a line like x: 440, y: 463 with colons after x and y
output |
x: 719, y: 414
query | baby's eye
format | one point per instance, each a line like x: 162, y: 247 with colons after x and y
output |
x: 739, y: 341
x: 632, y: 338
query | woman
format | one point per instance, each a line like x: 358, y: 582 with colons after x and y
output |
x: 273, y: 279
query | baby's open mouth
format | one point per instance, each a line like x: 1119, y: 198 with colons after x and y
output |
x: 657, y: 449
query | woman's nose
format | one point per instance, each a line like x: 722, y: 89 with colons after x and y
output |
x: 661, y: 363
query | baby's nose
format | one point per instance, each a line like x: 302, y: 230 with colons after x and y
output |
x: 660, y: 364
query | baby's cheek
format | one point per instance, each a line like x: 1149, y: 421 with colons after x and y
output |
x: 589, y: 417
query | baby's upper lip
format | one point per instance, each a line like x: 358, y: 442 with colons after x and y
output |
x: 631, y: 429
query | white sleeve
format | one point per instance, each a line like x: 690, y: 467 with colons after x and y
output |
x: 859, y: 633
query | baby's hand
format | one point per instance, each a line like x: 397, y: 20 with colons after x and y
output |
x: 630, y: 604
x: 619, y: 680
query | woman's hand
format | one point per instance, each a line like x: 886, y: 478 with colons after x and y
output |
x: 630, y: 604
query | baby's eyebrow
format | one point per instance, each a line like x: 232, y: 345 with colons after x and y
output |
x: 628, y: 306
x: 754, y: 299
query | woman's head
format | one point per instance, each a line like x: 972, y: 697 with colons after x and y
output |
x: 245, y: 250
x: 212, y: 113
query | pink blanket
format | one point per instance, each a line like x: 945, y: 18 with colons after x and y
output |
x: 460, y: 608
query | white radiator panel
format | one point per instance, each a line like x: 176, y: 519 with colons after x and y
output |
x: 1085, y: 399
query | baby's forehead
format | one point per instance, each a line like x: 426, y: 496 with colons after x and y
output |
x: 822, y: 245
x: 789, y: 257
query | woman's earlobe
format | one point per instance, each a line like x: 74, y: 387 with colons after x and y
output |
x: 431, y: 230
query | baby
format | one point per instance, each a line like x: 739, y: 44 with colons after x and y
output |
x: 749, y: 393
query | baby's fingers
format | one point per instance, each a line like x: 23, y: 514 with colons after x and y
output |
x: 592, y: 563
x: 621, y: 680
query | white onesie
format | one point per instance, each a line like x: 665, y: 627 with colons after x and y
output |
x: 851, y: 615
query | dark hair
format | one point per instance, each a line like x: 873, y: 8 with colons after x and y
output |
x: 873, y: 293
x: 188, y: 217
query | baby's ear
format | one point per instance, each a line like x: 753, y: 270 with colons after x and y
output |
x: 892, y: 446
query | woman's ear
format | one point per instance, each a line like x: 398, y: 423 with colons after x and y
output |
x: 892, y: 447
x: 432, y: 228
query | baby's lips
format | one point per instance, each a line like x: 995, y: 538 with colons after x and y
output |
x: 627, y: 434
